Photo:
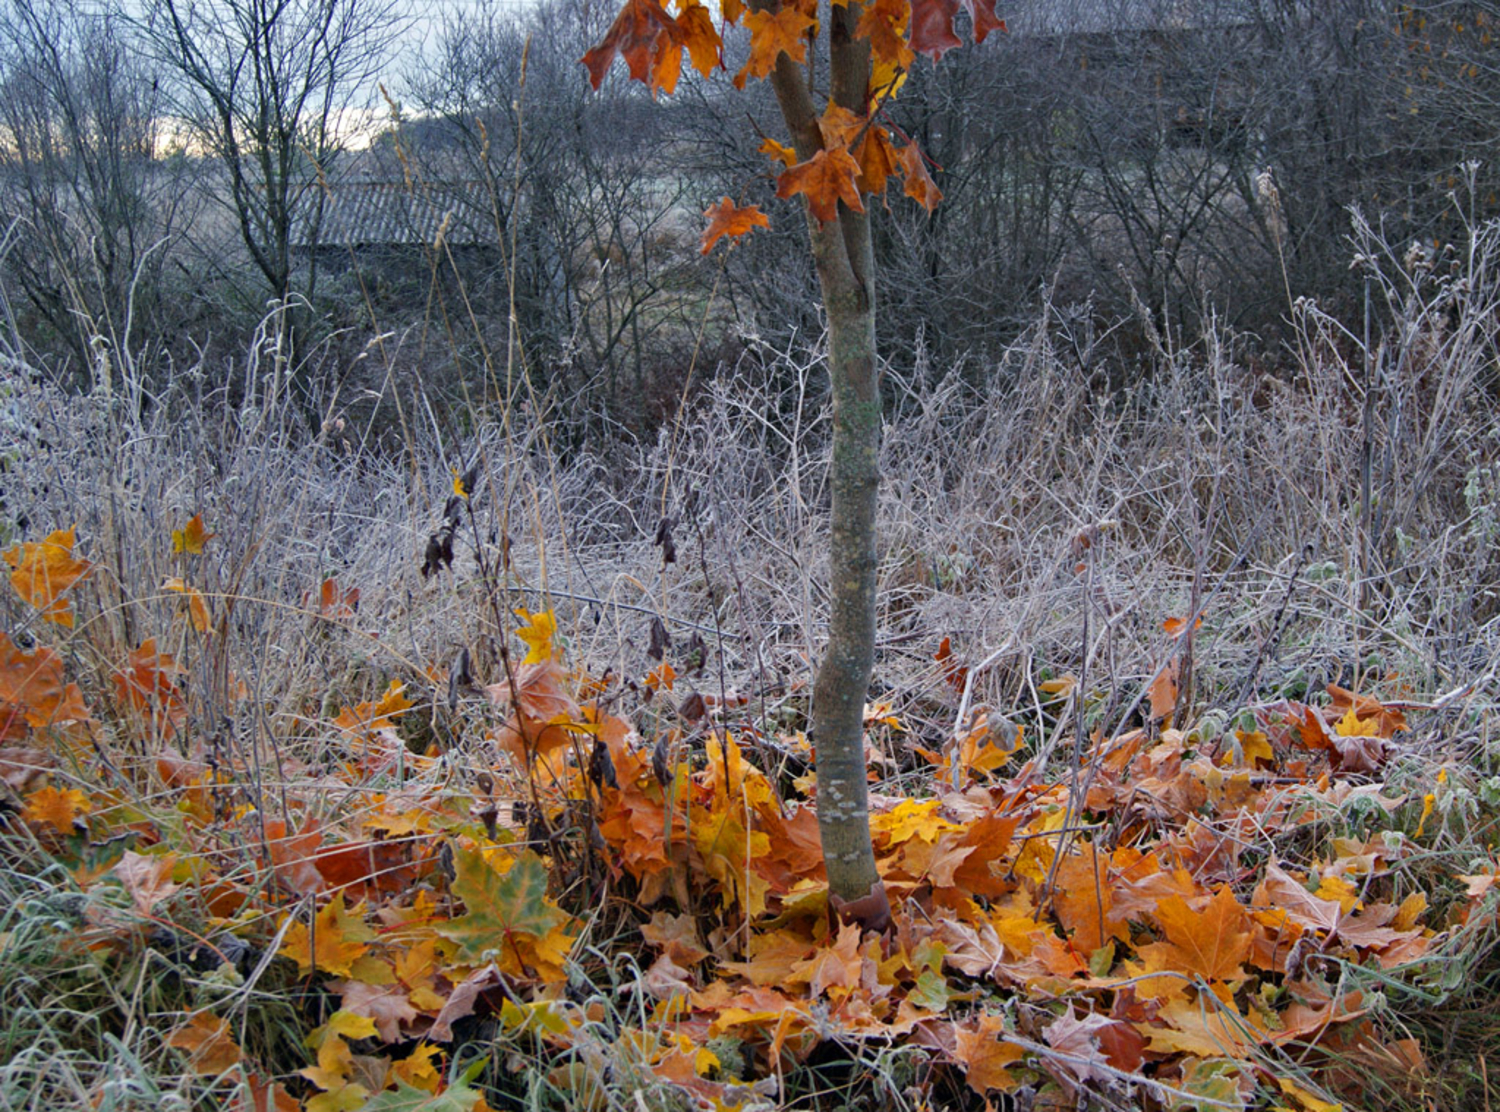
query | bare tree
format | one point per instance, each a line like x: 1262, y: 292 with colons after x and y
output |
x: 89, y: 206
x: 598, y: 246
x: 271, y: 89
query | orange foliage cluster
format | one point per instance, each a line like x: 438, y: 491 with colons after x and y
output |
x: 858, y: 154
x: 1131, y: 908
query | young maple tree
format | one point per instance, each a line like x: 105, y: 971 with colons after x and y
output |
x: 840, y: 154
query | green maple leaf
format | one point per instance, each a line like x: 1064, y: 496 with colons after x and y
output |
x: 458, y: 1097
x: 498, y: 905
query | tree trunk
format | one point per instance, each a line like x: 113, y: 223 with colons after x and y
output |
x: 845, y: 260
x: 844, y: 675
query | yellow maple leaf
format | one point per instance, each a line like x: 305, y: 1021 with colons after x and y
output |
x: 44, y: 570
x: 540, y: 635
x: 335, y: 1060
x: 1305, y: 1099
x: 1428, y: 801
x: 191, y: 538
x: 338, y: 939
x: 59, y: 809
x: 1352, y: 725
x: 1341, y: 891
x: 1253, y: 746
x: 421, y: 1069
x: 912, y: 818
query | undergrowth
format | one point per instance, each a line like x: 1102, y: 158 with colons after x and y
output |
x: 477, y: 771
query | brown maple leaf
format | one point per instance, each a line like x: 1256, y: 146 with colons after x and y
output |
x: 932, y: 27
x: 1093, y: 1040
x: 647, y: 38
x: 292, y: 856
x: 387, y: 1005
x: 919, y: 184
x: 208, y: 1044
x: 677, y: 935
x: 932, y: 31
x: 1284, y: 898
x: 147, y: 879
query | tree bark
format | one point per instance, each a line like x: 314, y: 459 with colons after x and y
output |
x: 844, y: 676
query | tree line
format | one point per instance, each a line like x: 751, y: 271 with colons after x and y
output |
x: 168, y: 183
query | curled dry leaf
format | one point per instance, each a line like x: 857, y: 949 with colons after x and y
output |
x: 147, y: 879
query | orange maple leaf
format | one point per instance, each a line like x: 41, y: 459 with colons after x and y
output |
x: 1211, y: 943
x: 878, y: 160
x: 210, y: 1049
x: 197, y: 608
x: 1163, y: 692
x: 884, y: 23
x: 704, y: 46
x: 838, y: 126
x: 58, y: 809
x: 1085, y: 901
x: 380, y: 715
x: 773, y: 34
x: 339, y: 937
x: 979, y: 1047
x: 827, y: 178
x: 145, y: 684
x: 726, y: 219
x: 837, y: 963
x: 32, y: 691
x: 335, y: 602
x: 44, y: 570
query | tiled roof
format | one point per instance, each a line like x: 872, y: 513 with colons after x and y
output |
x: 390, y: 213
x: 1097, y: 17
